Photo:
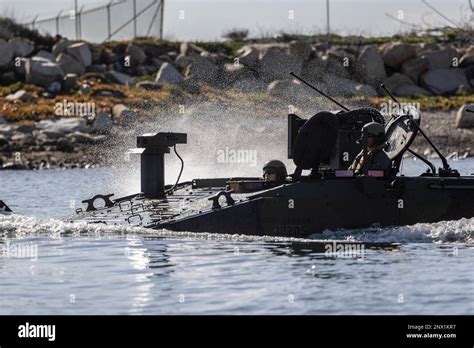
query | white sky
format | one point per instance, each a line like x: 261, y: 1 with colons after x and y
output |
x: 208, y: 19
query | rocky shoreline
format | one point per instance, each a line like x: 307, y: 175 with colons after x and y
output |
x: 63, y: 101
x: 73, y: 143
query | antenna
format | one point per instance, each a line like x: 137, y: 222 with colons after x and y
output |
x: 320, y: 92
x: 389, y: 94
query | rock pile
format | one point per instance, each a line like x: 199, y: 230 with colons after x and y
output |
x: 407, y: 69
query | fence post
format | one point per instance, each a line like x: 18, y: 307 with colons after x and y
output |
x: 328, y: 26
x: 33, y: 23
x: 80, y: 22
x: 109, y: 24
x: 162, y: 18
x: 134, y: 19
x: 57, y: 22
x: 75, y: 18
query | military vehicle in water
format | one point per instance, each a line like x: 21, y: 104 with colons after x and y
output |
x: 329, y: 197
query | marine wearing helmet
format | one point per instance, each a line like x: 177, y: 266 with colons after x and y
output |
x: 274, y: 171
x: 373, y: 134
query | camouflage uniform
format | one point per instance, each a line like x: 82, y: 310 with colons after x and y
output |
x: 377, y: 159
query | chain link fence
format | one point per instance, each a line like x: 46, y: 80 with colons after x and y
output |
x: 116, y: 20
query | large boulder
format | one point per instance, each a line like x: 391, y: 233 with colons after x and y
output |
x: 395, y: 54
x: 169, y: 74
x: 444, y: 81
x: 60, y: 47
x: 467, y: 59
x: 6, y: 130
x: 119, y: 77
x: 428, y: 47
x: 123, y: 115
x: 21, y: 47
x: 343, y: 87
x: 20, y: 95
x: 370, y: 67
x: 301, y: 49
x: 63, y: 125
x: 23, y: 140
x: 411, y: 91
x: 136, y: 53
x: 102, y: 123
x: 415, y: 67
x: 396, y: 80
x: 248, y: 56
x: 70, y: 82
x: 190, y: 49
x: 65, y: 144
x: 182, y: 61
x: 314, y: 69
x: 317, y: 67
x: 69, y: 65
x: 287, y: 88
x: 54, y: 88
x: 45, y: 137
x: 97, y: 53
x: 215, y: 58
x: 20, y: 68
x: 202, y: 69
x: 469, y: 71
x: 81, y: 52
x: 402, y: 86
x: 465, y: 116
x: 6, y: 54
x: 276, y: 63
x: 40, y: 71
x: 25, y: 128
x: 441, y: 59
x: 46, y: 55
x: 235, y: 72
x: 8, y: 78
x: 334, y: 65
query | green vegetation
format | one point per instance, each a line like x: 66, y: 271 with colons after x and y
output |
x: 170, y: 95
x: 228, y: 48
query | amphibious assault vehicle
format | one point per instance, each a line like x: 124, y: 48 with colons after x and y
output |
x: 328, y: 197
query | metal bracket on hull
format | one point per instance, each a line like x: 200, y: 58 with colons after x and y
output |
x: 215, y: 199
x: 105, y: 198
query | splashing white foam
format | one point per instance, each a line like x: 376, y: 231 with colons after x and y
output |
x: 460, y: 231
x: 457, y: 231
x: 20, y: 226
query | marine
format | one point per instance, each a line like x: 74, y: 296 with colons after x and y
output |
x: 274, y: 171
x: 375, y: 158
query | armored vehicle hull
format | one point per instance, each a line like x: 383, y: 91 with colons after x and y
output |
x: 330, y: 197
x: 295, y: 209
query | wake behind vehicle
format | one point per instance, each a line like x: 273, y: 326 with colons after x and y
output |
x: 328, y: 197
